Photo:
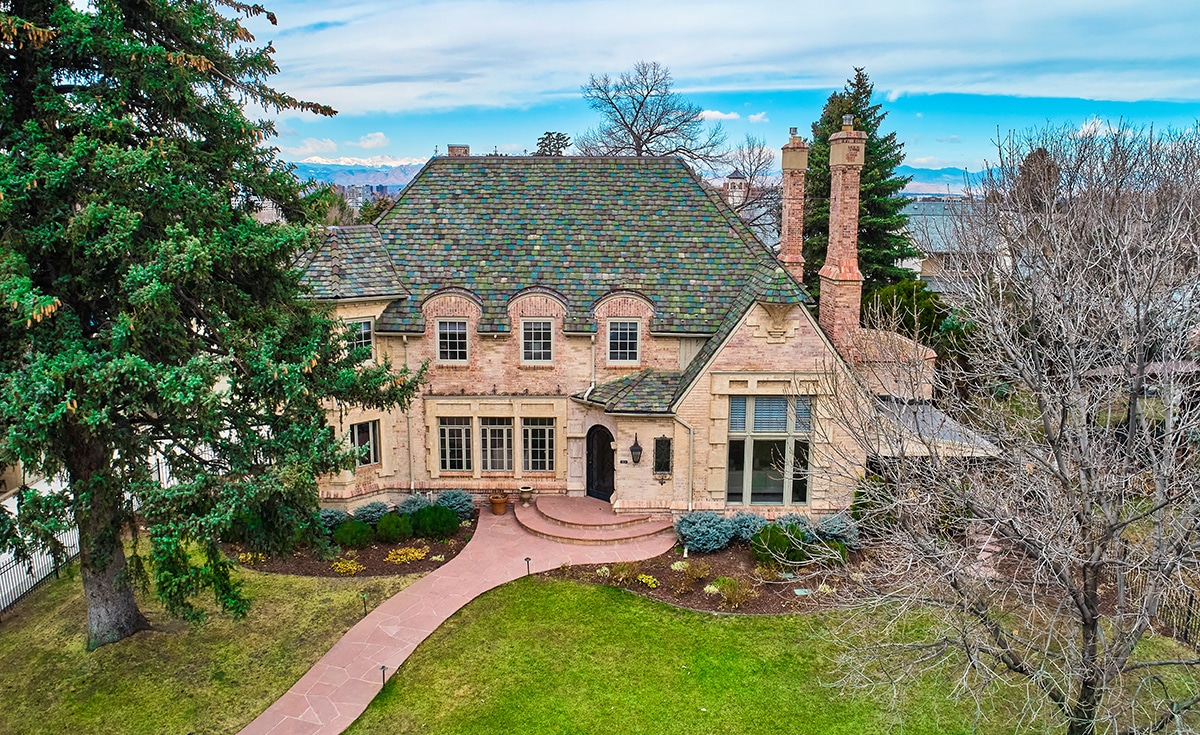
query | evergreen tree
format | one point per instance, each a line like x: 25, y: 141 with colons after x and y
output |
x: 882, y: 243
x: 143, y: 310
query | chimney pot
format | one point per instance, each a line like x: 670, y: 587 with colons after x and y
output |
x: 847, y: 122
x: 791, y: 131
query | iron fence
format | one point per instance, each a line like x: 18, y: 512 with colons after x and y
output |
x: 1178, y: 609
x: 19, y: 578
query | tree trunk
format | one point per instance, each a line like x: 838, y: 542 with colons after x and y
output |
x: 112, y: 611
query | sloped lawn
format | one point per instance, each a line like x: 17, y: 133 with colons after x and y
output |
x: 550, y: 656
x: 214, y: 677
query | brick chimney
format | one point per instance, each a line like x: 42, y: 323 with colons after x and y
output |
x: 456, y: 150
x: 791, y: 239
x: 841, y: 280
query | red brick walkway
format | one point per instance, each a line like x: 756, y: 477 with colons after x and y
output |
x: 339, y: 687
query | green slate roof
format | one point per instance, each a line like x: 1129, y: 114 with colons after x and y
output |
x: 352, y: 263
x: 582, y: 227
x: 647, y: 391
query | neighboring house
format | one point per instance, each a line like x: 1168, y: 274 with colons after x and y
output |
x: 609, y: 327
x: 930, y: 224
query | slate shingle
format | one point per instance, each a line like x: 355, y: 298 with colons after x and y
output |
x: 352, y: 263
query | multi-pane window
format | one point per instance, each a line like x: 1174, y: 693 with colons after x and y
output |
x: 365, y: 438
x: 454, y: 443
x: 360, y: 335
x: 452, y: 341
x: 536, y: 341
x: 496, y: 443
x: 622, y: 341
x: 537, y: 440
x: 769, y: 438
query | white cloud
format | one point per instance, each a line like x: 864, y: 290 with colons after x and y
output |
x: 894, y: 94
x: 718, y: 115
x: 759, y: 117
x: 311, y: 146
x: 952, y: 139
x: 374, y: 161
x: 373, y: 140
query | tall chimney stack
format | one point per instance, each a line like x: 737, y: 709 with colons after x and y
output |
x: 791, y: 240
x: 841, y: 280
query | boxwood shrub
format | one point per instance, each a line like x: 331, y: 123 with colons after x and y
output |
x: 704, y: 531
x: 745, y: 525
x: 434, y: 522
x: 353, y: 534
x: 459, y: 501
x: 806, y: 531
x: 412, y: 504
x: 776, y: 545
x: 393, y: 528
x: 371, y: 512
x: 331, y: 518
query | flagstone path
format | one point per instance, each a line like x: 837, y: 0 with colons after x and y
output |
x: 339, y: 687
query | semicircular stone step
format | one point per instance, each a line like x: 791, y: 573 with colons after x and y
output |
x: 539, y: 525
x: 584, y: 512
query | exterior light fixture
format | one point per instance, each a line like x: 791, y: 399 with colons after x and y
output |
x: 635, y: 451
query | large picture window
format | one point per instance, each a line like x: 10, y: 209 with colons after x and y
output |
x: 537, y: 342
x: 452, y: 341
x: 537, y: 441
x: 623, y: 342
x: 496, y: 442
x: 365, y: 438
x: 454, y: 443
x: 769, y: 442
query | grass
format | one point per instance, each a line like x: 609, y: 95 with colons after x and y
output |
x: 212, y: 677
x: 549, y: 656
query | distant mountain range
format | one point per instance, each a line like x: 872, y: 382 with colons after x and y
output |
x: 399, y: 171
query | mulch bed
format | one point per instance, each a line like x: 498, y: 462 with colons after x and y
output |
x: 304, y: 563
x: 772, y: 597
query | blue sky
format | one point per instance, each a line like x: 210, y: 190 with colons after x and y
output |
x: 496, y: 74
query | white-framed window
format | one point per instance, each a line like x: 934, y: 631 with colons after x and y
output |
x: 537, y: 341
x: 537, y: 440
x: 365, y: 438
x: 452, y: 340
x: 361, y: 335
x: 623, y: 342
x: 769, y: 442
x: 496, y: 444
x: 454, y: 443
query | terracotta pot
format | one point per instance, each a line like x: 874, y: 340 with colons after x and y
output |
x: 499, y: 502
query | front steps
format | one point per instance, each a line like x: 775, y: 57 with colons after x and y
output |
x: 586, y: 521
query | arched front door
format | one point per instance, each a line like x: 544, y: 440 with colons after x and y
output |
x: 600, y: 463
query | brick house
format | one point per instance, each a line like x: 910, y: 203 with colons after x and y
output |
x: 603, y: 326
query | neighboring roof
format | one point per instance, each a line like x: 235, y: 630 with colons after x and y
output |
x: 930, y: 223
x: 584, y: 227
x: 352, y: 264
x: 930, y: 424
x: 647, y: 391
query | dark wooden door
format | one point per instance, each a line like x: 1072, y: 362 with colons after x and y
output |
x: 600, y: 463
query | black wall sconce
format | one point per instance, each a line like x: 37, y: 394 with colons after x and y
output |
x: 635, y: 452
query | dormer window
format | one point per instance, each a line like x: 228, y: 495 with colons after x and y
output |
x: 623, y: 342
x: 537, y: 342
x: 452, y: 341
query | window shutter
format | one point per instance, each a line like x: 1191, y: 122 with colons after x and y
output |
x: 770, y: 414
x: 737, y: 413
x: 804, y: 413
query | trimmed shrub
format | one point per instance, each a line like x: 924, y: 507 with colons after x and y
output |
x: 434, y: 522
x: 704, y: 531
x: 840, y: 528
x: 353, y: 535
x: 776, y: 545
x: 371, y: 513
x: 393, y: 528
x: 745, y: 525
x: 459, y: 501
x: 331, y: 518
x: 805, y: 526
x: 412, y: 504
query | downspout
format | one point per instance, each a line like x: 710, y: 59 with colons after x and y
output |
x: 592, y: 387
x: 691, y: 459
x: 412, y: 484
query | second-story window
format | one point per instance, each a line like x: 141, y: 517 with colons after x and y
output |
x: 452, y: 341
x: 623, y: 342
x: 360, y: 336
x: 537, y: 341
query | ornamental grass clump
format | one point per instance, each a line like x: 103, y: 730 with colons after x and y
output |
x: 412, y: 504
x: 459, y: 501
x: 371, y: 513
x: 434, y: 522
x: 407, y: 554
x: 704, y: 531
x: 734, y: 592
x: 394, y: 528
x: 624, y: 572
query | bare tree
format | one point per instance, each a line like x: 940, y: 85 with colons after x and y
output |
x: 642, y: 116
x: 761, y: 204
x: 1047, y: 567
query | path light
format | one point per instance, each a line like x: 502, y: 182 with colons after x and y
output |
x: 364, y: 599
x: 527, y: 560
x: 636, y: 450
x: 382, y: 676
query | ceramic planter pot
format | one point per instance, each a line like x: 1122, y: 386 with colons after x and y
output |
x: 526, y: 495
x: 499, y: 502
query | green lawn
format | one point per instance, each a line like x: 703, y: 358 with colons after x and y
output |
x: 214, y: 677
x: 546, y: 656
